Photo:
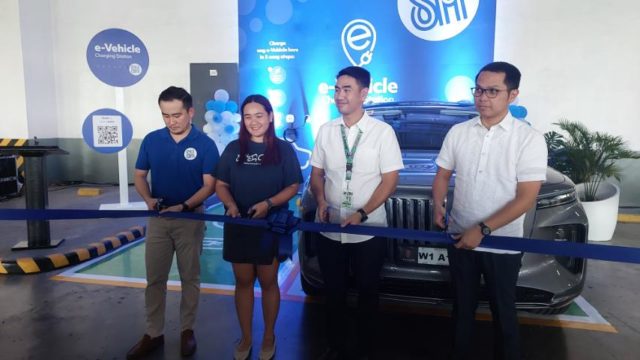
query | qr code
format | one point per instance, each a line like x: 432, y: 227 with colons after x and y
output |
x: 108, y: 135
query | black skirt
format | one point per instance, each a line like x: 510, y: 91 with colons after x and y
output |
x: 251, y: 245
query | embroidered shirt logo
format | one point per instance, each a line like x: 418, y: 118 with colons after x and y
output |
x: 190, y: 153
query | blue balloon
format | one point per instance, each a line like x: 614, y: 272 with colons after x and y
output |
x: 522, y: 112
x: 218, y: 106
x: 217, y: 118
x: 517, y: 111
x: 232, y: 106
x: 229, y: 129
x: 209, y: 105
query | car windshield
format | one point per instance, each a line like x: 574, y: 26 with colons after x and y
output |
x: 421, y: 128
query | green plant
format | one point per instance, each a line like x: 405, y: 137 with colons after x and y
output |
x: 586, y: 157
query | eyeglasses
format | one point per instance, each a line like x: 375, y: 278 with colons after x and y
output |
x: 491, y: 93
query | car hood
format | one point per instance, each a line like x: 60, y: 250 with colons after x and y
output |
x: 420, y: 169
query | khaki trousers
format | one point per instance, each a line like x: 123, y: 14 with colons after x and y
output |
x: 164, y: 237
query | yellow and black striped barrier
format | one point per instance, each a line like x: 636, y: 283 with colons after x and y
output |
x: 28, y: 265
x: 19, y: 159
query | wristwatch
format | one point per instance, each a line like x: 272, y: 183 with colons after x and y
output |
x: 484, y: 229
x: 185, y: 207
x: 363, y: 215
x: 269, y: 204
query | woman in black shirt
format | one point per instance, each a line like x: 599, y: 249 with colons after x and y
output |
x: 256, y: 175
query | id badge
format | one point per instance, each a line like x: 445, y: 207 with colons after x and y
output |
x: 347, y: 199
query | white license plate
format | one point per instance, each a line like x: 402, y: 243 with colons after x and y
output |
x: 433, y: 256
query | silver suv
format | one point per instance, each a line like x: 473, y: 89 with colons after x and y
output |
x: 419, y: 272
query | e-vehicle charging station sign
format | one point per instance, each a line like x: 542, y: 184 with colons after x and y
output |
x: 117, y: 57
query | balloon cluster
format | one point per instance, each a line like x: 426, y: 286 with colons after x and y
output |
x: 222, y: 119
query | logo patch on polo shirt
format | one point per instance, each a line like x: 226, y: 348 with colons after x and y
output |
x: 190, y: 153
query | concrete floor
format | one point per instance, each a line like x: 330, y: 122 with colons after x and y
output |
x: 45, y: 319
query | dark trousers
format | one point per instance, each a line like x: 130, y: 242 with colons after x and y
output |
x: 365, y: 260
x: 500, y: 272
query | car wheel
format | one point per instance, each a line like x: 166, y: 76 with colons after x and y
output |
x: 310, y: 289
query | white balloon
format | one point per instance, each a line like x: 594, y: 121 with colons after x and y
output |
x: 217, y: 125
x: 208, y: 116
x: 220, y: 147
x: 226, y: 138
x: 212, y: 137
x: 227, y: 117
x: 221, y: 95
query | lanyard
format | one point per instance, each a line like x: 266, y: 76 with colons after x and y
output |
x: 348, y: 153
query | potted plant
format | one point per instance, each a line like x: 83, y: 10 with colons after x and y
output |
x: 589, y: 158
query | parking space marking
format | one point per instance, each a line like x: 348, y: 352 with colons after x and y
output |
x: 125, y: 267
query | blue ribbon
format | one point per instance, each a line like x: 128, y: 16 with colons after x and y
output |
x: 284, y: 224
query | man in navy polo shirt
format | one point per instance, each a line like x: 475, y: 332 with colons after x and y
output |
x: 181, y: 160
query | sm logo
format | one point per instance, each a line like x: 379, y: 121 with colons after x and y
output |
x: 436, y: 20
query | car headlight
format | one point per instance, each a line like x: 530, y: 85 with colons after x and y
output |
x: 565, y: 233
x: 557, y: 199
x: 568, y: 233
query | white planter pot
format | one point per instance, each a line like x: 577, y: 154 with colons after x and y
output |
x: 602, y: 214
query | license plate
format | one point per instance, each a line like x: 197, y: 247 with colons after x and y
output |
x: 433, y: 256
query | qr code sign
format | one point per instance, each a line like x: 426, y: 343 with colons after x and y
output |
x: 108, y: 136
x: 107, y: 131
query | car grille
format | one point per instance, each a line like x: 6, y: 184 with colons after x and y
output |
x: 412, y: 214
x: 442, y: 291
x: 421, y: 289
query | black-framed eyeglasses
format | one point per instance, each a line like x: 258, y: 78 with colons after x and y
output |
x: 490, y: 92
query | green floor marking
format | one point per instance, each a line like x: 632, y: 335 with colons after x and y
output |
x: 214, y: 270
x: 575, y: 310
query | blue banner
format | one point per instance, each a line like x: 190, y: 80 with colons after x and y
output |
x: 290, y: 51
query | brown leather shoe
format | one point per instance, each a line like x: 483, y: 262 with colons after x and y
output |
x: 145, y: 346
x: 188, y: 343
